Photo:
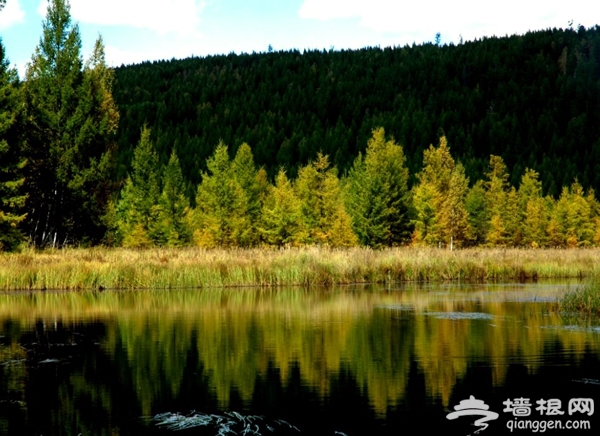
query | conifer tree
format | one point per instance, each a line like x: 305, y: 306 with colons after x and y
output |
x: 573, y: 219
x: 477, y: 213
x: 173, y: 206
x: 326, y: 218
x: 500, y: 203
x: 377, y: 194
x: 220, y: 218
x: 137, y: 212
x: 12, y: 197
x: 72, y: 120
x: 439, y: 200
x: 254, y: 184
x: 534, y: 213
x: 282, y: 220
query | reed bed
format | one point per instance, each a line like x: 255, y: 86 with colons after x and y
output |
x: 584, y: 299
x: 117, y: 268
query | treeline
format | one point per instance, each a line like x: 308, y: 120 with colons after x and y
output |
x: 532, y: 99
x: 237, y: 206
x: 320, y: 170
x: 57, y: 140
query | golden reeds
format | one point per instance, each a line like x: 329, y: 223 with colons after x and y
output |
x: 108, y: 268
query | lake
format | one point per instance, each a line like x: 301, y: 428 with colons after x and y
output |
x: 344, y: 361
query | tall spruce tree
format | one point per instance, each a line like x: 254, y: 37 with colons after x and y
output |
x: 377, y: 194
x: 137, y: 211
x: 173, y: 206
x: 12, y: 197
x: 477, y: 213
x: 71, y: 123
x: 254, y: 184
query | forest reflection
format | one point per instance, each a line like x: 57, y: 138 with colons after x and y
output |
x: 161, y: 344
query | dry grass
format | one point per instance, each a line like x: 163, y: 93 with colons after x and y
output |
x: 99, y: 268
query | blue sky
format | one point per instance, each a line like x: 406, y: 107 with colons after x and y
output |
x: 137, y: 30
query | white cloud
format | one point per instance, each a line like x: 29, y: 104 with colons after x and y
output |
x: 11, y: 14
x: 469, y: 18
x: 162, y: 16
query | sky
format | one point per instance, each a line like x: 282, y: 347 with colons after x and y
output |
x: 137, y: 30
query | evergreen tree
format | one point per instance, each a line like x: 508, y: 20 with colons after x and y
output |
x: 500, y: 203
x: 326, y: 218
x: 282, y: 220
x: 477, y: 213
x: 254, y: 184
x: 377, y: 193
x: 439, y: 199
x: 71, y: 121
x: 12, y: 198
x: 137, y: 212
x: 220, y: 218
x: 173, y: 206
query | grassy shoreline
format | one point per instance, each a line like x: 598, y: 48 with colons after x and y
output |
x: 103, y: 268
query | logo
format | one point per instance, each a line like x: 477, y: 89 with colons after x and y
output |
x: 474, y: 407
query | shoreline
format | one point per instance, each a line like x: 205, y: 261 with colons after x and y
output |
x: 170, y: 268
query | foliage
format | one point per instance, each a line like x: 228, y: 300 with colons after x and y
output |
x: 439, y: 200
x: 323, y: 210
x: 534, y: 210
x: 173, y: 206
x: 254, y: 184
x: 282, y: 220
x: 220, y: 218
x: 377, y: 195
x: 572, y: 223
x: 533, y: 99
x: 137, y: 212
x: 71, y: 120
x: 12, y: 197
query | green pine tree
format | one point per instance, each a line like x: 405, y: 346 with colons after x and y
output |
x: 254, y: 184
x: 137, y: 217
x: 377, y: 193
x: 173, y: 206
x: 72, y: 120
x: 477, y: 212
x: 12, y: 198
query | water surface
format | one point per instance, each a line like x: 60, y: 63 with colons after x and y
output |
x: 354, y: 361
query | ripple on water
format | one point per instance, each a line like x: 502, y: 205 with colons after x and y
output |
x: 459, y: 315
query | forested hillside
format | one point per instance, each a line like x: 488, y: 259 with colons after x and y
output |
x: 534, y: 100
x: 493, y: 142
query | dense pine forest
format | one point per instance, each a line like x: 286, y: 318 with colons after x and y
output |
x: 534, y: 100
x: 493, y: 142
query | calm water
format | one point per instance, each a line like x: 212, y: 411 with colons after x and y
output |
x: 368, y: 361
